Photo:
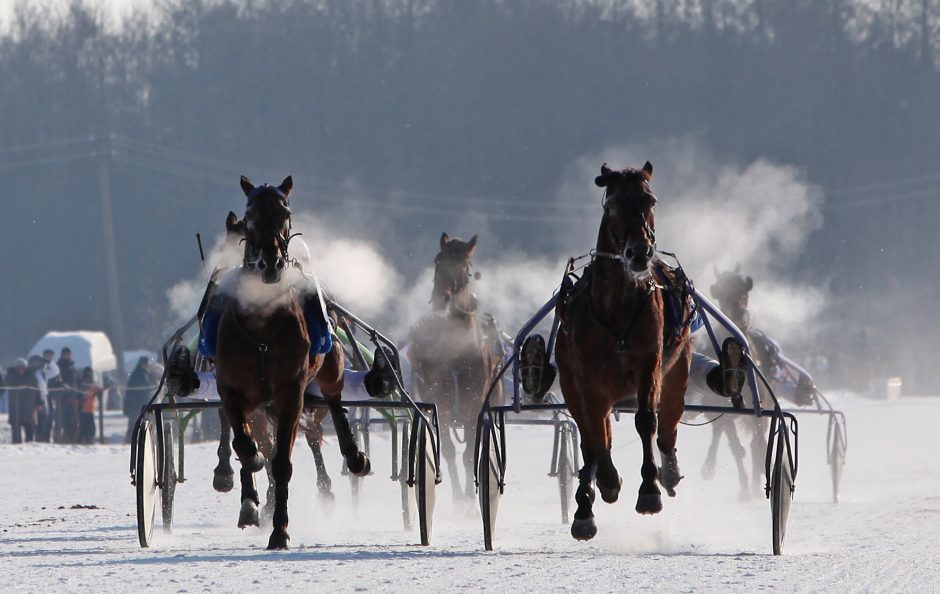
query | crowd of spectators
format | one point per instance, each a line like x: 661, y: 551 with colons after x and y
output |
x: 51, y: 400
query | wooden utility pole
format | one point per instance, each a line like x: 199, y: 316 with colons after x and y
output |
x: 110, y: 257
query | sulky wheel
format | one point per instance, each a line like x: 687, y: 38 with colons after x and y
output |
x: 145, y: 480
x: 168, y: 478
x: 781, y: 491
x: 488, y: 477
x: 425, y: 479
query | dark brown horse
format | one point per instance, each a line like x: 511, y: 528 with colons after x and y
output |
x: 455, y: 354
x: 614, y: 344
x: 263, y: 354
x: 262, y: 425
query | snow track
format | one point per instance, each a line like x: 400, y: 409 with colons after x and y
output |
x: 881, y: 537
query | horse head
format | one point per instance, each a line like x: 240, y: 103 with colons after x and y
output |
x: 628, y: 228
x: 266, y: 227
x: 731, y: 289
x: 452, y: 271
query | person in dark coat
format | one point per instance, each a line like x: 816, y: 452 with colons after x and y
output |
x: 140, y: 386
x: 23, y: 391
x: 67, y: 396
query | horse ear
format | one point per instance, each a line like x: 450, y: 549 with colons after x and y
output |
x: 230, y: 221
x: 648, y: 170
x: 286, y: 186
x: 750, y: 283
x: 471, y: 245
x: 603, y: 179
x: 247, y: 186
x: 445, y: 239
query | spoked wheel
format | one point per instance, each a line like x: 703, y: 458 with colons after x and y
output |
x: 425, y: 480
x: 168, y: 478
x: 837, y: 460
x: 566, y: 472
x: 407, y: 504
x: 145, y: 479
x: 488, y: 477
x: 781, y: 491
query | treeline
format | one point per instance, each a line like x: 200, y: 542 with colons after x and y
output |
x: 448, y: 98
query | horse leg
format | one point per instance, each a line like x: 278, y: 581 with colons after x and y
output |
x: 223, y: 479
x: 288, y: 421
x: 671, y: 407
x: 314, y: 435
x: 738, y: 453
x: 758, y: 454
x: 583, y: 527
x: 649, y: 499
x: 242, y: 442
x: 708, y: 467
x: 356, y: 461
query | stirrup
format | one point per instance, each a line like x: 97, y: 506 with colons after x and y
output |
x: 181, y: 378
x: 535, y: 372
x: 732, y: 368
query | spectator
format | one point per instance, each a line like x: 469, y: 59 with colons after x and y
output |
x: 67, y: 397
x: 140, y: 386
x: 24, y: 399
x: 47, y: 372
x: 90, y: 393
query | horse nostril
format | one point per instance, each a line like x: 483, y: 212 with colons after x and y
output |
x: 628, y: 253
x: 280, y: 264
x: 261, y: 265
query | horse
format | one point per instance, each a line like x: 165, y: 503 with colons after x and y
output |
x: 264, y: 358
x: 732, y: 290
x: 613, y: 343
x: 262, y: 424
x: 455, y: 354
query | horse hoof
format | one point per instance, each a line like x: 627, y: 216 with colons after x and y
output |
x: 584, y: 529
x: 249, y: 514
x: 223, y: 482
x: 708, y: 472
x: 610, y: 493
x: 359, y: 465
x: 254, y: 464
x: 649, y: 504
x: 279, y: 541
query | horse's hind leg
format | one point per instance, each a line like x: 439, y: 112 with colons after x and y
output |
x: 671, y: 407
x: 314, y: 435
x: 223, y: 479
x: 739, y: 453
x: 288, y: 421
x: 356, y: 461
x: 708, y: 467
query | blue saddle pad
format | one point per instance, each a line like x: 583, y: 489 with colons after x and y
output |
x: 319, y: 328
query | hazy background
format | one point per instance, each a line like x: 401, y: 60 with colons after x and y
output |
x: 799, y: 138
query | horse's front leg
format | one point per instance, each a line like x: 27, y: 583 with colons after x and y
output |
x: 251, y: 461
x: 223, y: 476
x: 649, y: 500
x: 288, y: 407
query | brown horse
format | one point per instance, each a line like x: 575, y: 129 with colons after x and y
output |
x: 613, y: 343
x: 263, y: 354
x: 262, y: 425
x: 455, y: 354
x: 732, y: 290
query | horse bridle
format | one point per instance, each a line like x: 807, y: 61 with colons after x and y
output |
x: 622, y: 256
x: 462, y: 282
x: 252, y: 254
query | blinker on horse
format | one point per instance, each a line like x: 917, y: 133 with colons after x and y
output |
x: 614, y: 343
x: 264, y: 358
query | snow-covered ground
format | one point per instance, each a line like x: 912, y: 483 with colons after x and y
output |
x: 882, y: 537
